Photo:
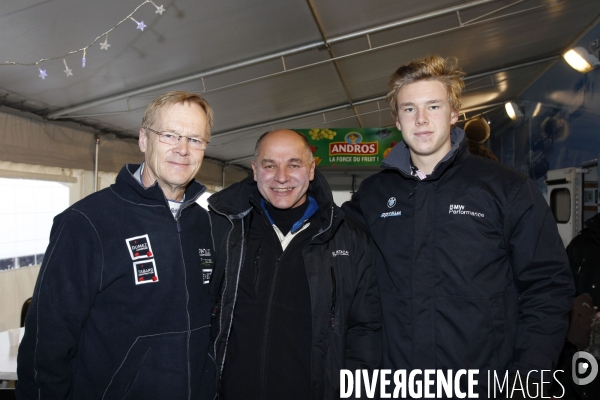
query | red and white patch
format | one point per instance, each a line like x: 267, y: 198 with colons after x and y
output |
x: 139, y: 247
x: 145, y: 272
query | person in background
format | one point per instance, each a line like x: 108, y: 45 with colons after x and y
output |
x: 295, y: 292
x: 584, y: 328
x: 121, y: 307
x: 472, y: 271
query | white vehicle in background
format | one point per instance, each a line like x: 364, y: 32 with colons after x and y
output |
x: 573, y: 197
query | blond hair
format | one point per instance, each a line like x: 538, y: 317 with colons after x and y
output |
x: 177, y: 97
x: 428, y: 68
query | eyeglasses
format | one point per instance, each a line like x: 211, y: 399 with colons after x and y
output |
x: 173, y: 138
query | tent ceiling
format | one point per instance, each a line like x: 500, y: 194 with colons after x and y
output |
x: 266, y: 64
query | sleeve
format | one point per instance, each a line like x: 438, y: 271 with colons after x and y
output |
x: 363, y: 343
x: 67, y: 283
x: 353, y: 209
x: 542, y: 278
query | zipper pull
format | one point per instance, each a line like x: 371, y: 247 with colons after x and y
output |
x: 178, y: 226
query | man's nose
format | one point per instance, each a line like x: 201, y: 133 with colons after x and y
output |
x: 182, y: 147
x: 421, y: 117
x: 281, y: 175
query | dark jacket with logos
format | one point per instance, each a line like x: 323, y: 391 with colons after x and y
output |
x: 472, y: 271
x: 346, y: 315
x: 121, y: 307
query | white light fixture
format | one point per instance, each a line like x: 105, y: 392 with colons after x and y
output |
x: 513, y: 110
x: 581, y: 59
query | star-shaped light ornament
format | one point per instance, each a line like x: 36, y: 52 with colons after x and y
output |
x: 104, y: 46
x: 67, y: 70
x: 43, y: 73
x: 160, y: 10
x: 140, y: 25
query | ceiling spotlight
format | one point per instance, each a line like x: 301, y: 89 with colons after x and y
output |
x: 513, y: 110
x: 581, y: 59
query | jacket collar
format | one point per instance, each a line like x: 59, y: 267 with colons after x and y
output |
x: 237, y: 201
x: 399, y: 157
x: 129, y: 188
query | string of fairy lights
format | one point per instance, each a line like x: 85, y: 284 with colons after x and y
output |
x: 103, y: 45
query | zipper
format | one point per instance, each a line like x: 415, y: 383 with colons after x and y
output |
x: 263, y: 358
x: 333, y: 296
x: 222, y: 297
x: 187, y: 301
x: 326, y: 229
x: 256, y: 270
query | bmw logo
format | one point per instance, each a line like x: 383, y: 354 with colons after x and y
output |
x: 391, y: 202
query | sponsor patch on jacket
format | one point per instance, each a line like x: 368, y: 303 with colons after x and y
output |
x: 206, y: 274
x: 340, y: 253
x: 459, y: 209
x: 391, y: 202
x: 139, y: 247
x: 204, y: 252
x: 391, y: 214
x: 145, y: 272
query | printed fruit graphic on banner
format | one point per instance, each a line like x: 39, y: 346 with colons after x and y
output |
x: 318, y: 134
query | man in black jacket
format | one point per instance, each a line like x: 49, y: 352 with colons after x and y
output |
x: 472, y: 271
x: 121, y: 307
x: 296, y: 296
x: 584, y: 332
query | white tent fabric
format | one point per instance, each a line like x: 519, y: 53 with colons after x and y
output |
x: 35, y: 142
x: 16, y: 286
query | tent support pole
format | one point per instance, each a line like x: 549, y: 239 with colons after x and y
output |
x: 96, y: 164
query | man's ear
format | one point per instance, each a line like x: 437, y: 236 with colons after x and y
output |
x: 454, y: 117
x: 398, y: 125
x: 143, y: 140
x: 254, y: 169
x: 312, y: 169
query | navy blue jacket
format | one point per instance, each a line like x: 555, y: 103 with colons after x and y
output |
x: 472, y: 271
x: 121, y: 306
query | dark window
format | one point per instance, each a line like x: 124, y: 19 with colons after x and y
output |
x: 560, y: 203
x: 39, y: 258
x: 7, y: 263
x: 26, y: 261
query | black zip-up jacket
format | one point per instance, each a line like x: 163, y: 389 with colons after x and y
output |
x: 121, y: 307
x: 346, y: 314
x: 472, y: 271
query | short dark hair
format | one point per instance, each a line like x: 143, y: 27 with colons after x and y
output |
x: 260, y: 139
x: 444, y: 70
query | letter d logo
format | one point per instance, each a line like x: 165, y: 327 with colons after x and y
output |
x: 582, y: 367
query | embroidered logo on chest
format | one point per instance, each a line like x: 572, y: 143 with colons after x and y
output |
x: 139, y: 247
x: 145, y: 272
x: 459, y: 209
x: 204, y: 252
x: 340, y: 253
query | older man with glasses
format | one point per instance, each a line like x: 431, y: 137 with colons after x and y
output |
x: 121, y: 307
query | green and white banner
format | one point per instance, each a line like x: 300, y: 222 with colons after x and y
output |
x: 351, y: 146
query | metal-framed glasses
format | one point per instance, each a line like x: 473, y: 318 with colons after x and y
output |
x: 173, y: 138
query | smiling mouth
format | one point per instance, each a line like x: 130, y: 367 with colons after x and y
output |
x: 282, y: 190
